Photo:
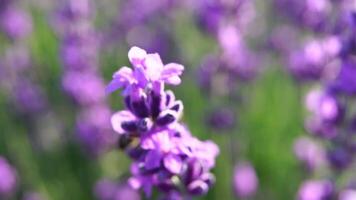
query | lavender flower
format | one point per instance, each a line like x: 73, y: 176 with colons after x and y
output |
x: 348, y: 194
x: 167, y: 156
x: 222, y: 119
x: 245, y: 180
x: 110, y: 190
x: 316, y: 190
x: 81, y: 78
x: 14, y: 22
x: 7, y: 178
x: 310, y: 153
x: 310, y: 14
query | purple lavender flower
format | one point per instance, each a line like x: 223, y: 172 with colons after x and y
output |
x: 310, y: 153
x: 245, y: 180
x: 7, y: 178
x: 15, y: 22
x: 166, y: 154
x: 235, y: 55
x: 313, y: 61
x: 110, y: 190
x: 93, y: 129
x: 348, y: 194
x: 306, y: 13
x: 84, y: 88
x: 316, y: 190
x: 81, y: 78
x: 28, y: 97
x: 345, y: 81
x: 222, y: 119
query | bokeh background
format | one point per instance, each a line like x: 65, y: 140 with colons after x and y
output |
x: 39, y: 119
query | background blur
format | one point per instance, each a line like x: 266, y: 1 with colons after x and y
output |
x: 45, y: 149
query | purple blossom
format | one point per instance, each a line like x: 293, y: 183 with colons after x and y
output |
x: 15, y: 22
x: 310, y: 153
x: 81, y: 78
x: 245, y: 180
x: 7, y: 178
x: 93, y: 129
x: 314, y: 61
x: 316, y: 190
x: 28, y: 97
x: 348, y: 194
x: 222, y: 119
x: 84, y: 88
x: 149, y: 71
x: 110, y: 190
x: 166, y: 153
x: 345, y: 81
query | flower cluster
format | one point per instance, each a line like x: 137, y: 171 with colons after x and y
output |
x: 330, y: 106
x: 165, y: 154
x: 16, y: 24
x: 81, y: 78
x: 227, y: 22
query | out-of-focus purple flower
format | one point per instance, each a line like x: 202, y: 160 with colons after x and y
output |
x: 15, y: 22
x: 326, y: 112
x: 166, y: 155
x: 307, y: 13
x: 211, y: 15
x: 323, y: 106
x: 28, y: 97
x: 147, y: 9
x: 93, y: 129
x: 17, y: 59
x: 110, y: 190
x: 85, y: 88
x: 345, y: 81
x: 7, y: 178
x: 235, y: 55
x: 283, y: 39
x: 309, y: 152
x: 222, y: 119
x: 348, y: 194
x: 312, y: 61
x: 79, y: 51
x: 316, y: 190
x: 340, y: 158
x: 156, y: 39
x: 32, y: 196
x: 245, y: 180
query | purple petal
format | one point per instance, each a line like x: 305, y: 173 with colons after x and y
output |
x: 153, y: 160
x: 118, y: 118
x: 136, y: 55
x: 172, y: 69
x: 173, y: 80
x: 173, y: 163
x: 121, y: 78
x: 154, y: 66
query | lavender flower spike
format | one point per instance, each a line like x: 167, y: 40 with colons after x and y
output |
x: 166, y: 157
x: 7, y: 178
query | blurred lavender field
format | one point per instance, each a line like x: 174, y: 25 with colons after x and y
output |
x: 268, y: 90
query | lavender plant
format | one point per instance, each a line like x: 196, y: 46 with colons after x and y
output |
x: 81, y: 78
x: 165, y: 155
x: 331, y: 109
